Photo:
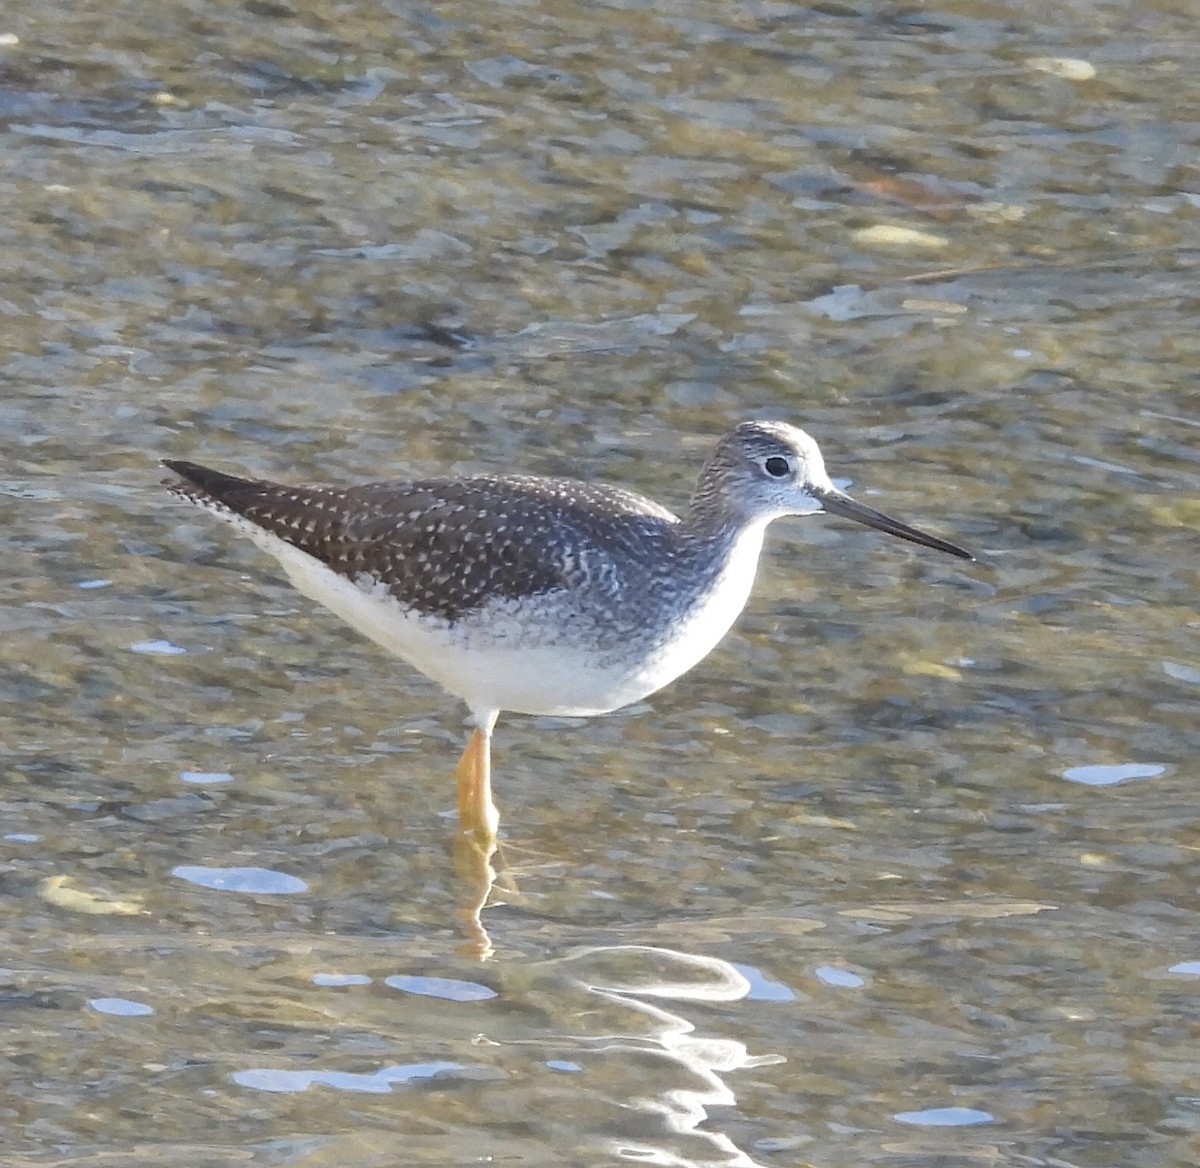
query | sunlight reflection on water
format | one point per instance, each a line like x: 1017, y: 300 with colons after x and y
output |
x: 265, y: 881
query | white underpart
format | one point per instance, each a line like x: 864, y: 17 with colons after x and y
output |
x: 494, y: 661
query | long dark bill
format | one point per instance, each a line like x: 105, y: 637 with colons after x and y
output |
x: 839, y: 503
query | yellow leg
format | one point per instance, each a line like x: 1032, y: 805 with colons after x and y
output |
x: 477, y: 814
x: 475, y: 844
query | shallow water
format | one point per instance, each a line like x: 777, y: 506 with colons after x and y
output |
x: 904, y: 874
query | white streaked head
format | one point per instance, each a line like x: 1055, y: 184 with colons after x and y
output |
x: 764, y: 470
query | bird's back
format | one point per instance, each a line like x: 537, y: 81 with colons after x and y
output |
x: 444, y: 546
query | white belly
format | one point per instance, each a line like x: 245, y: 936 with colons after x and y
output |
x: 496, y: 662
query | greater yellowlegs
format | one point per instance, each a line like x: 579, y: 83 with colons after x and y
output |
x: 538, y: 595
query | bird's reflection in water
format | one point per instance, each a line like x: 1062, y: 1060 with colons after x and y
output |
x: 672, y: 1075
x: 665, y: 1077
x: 473, y: 861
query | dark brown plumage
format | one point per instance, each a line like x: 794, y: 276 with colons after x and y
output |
x: 444, y: 546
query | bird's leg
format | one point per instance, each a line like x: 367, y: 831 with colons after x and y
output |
x: 473, y: 863
x: 477, y: 814
x: 475, y: 843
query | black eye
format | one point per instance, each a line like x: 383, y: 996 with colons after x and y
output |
x: 777, y: 467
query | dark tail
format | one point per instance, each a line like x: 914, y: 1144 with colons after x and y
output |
x: 212, y: 482
x: 202, y: 484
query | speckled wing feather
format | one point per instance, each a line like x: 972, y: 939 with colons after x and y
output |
x: 442, y: 546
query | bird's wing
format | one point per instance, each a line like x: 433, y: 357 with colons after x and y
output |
x: 445, y: 546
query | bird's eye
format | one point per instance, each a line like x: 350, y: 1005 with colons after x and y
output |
x: 777, y: 467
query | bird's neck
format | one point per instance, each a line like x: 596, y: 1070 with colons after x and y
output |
x: 709, y: 520
x: 715, y: 542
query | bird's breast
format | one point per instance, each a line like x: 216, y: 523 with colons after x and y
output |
x: 695, y: 620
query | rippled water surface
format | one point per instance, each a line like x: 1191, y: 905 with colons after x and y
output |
x: 904, y: 874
